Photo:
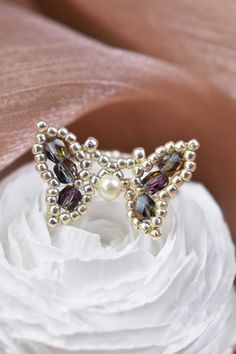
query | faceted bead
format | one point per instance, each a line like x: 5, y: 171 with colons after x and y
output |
x: 56, y: 151
x: 65, y: 171
x: 154, y: 182
x: 69, y: 198
x: 144, y: 207
x: 170, y: 164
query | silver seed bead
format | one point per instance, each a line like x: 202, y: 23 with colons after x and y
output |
x: 155, y: 234
x: 84, y: 175
x: 112, y: 166
x: 70, y: 138
x: 125, y: 183
x: 62, y: 133
x: 54, y: 209
x: 163, y: 195
x: 51, y: 131
x: 153, y: 158
x: 102, y: 173
x: 86, y: 199
x: 160, y: 151
x: 37, y: 149
x: 75, y: 147
x: 80, y: 155
x: 138, y: 171
x: 162, y: 204
x: 119, y: 174
x: 139, y: 154
x: 129, y: 195
x: 161, y: 213
x: 52, y: 222
x: 82, y: 209
x: 86, y: 164
x: 39, y: 158
x: 42, y: 126
x: 130, y: 214
x: 147, y: 165
x: 180, y: 146
x: 95, y: 155
x: 94, y: 180
x: 65, y: 218
x: 121, y: 163
x: 177, y: 180
x: 40, y: 138
x: 47, y: 175
x: 189, y: 155
x: 89, y: 189
x: 54, y: 182
x: 53, y: 191
x: 78, y: 183
x: 130, y: 163
x: 156, y: 221
x: 190, y: 166
x: 41, y: 167
x: 186, y: 175
x: 51, y: 200
x: 172, y: 190
x: 145, y: 226
x: 193, y: 144
x: 169, y: 147
x: 75, y: 215
x: 91, y: 144
x: 136, y: 182
x: 104, y: 160
x: 135, y: 222
x: 130, y: 204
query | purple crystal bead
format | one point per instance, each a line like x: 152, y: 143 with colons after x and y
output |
x: 69, y: 198
x: 155, y: 181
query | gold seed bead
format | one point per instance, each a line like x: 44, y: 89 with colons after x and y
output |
x: 162, y: 204
x: 153, y: 158
x: 47, y: 175
x: 75, y: 147
x: 94, y: 180
x: 95, y: 155
x: 75, y: 215
x: 86, y: 164
x: 104, y: 160
x: 169, y: 147
x: 121, y: 163
x: 70, y: 138
x: 119, y: 174
x: 39, y: 158
x: 54, y: 209
x: 130, y: 214
x: 172, y: 190
x: 163, y: 195
x: 54, y: 183
x: 177, y: 180
x: 147, y: 165
x: 51, y: 200
x: 156, y: 221
x: 130, y: 163
x: 193, y: 144
x: 139, y: 154
x: 84, y: 175
x: 145, y: 226
x: 41, y: 167
x: 51, y: 131
x: 138, y: 171
x: 91, y: 144
x: 42, y: 126
x: 82, y: 209
x: 160, y: 151
x: 180, y: 146
x: 189, y: 155
x: 161, y: 213
x: 65, y: 218
x: 129, y: 195
x: 89, y: 189
x: 130, y: 204
x: 53, y: 192
x: 40, y: 138
x: 186, y: 175
x: 86, y: 199
x: 155, y: 234
x: 102, y: 173
x: 37, y: 149
x: 190, y: 166
x: 62, y: 133
x: 52, y: 222
x: 78, y: 183
x: 80, y: 155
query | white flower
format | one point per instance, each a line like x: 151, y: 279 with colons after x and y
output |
x: 100, y: 287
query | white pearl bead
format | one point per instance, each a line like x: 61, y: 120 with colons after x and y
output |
x: 109, y: 187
